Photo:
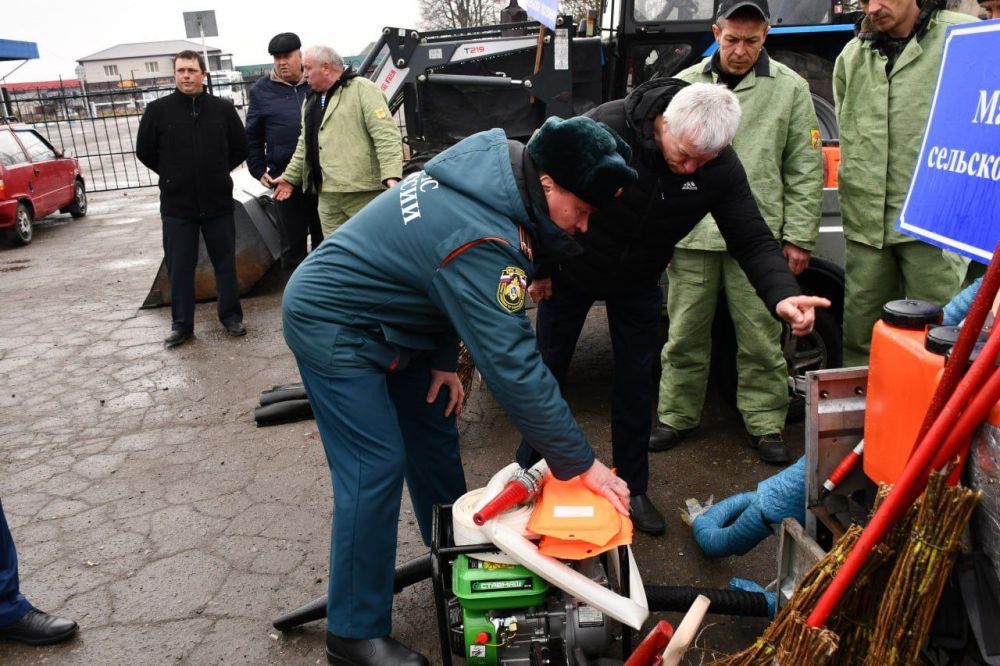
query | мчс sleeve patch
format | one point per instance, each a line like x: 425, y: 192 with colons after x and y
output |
x: 817, y: 141
x: 511, y: 288
x: 380, y: 113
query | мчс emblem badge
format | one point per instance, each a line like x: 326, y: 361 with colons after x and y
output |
x: 510, y: 291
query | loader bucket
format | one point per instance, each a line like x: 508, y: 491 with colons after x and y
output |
x: 257, y: 245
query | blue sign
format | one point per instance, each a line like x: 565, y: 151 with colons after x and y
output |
x: 543, y: 11
x: 954, y: 196
x: 14, y: 50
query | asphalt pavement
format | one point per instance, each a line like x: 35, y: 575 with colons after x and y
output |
x: 147, y: 505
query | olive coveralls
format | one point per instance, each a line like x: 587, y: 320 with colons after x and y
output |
x: 778, y: 142
x: 881, y: 116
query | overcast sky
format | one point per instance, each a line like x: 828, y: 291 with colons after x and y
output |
x: 66, y: 30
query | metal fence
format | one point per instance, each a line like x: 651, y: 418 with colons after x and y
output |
x: 99, y: 126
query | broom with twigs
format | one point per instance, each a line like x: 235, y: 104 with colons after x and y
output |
x: 854, y: 621
x: 788, y: 637
x: 920, y: 573
x: 788, y: 640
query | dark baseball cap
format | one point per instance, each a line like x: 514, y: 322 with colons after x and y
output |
x: 285, y: 42
x: 728, y: 7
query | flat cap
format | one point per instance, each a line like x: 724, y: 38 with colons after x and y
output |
x: 587, y: 158
x: 285, y: 42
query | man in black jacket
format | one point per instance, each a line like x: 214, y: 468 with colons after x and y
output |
x: 192, y: 141
x: 679, y: 135
x: 274, y: 120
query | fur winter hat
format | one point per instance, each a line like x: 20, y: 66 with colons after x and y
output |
x: 587, y: 158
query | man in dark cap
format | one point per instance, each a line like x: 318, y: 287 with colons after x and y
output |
x: 274, y: 120
x: 778, y: 142
x: 374, y: 318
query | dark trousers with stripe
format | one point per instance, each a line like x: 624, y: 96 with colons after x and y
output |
x: 377, y: 430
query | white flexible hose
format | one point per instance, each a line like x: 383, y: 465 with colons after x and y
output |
x: 508, y: 531
x: 466, y: 531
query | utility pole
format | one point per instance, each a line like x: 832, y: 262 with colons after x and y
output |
x: 202, y: 24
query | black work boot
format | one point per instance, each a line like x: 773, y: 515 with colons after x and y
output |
x: 177, y: 338
x: 646, y: 517
x: 383, y: 651
x: 665, y: 438
x: 771, y: 448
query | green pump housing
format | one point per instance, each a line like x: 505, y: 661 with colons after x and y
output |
x: 483, y: 588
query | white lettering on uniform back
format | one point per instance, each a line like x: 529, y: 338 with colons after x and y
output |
x: 409, y: 190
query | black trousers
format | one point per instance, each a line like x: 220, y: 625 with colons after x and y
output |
x: 180, y: 248
x: 633, y: 320
x: 298, y: 219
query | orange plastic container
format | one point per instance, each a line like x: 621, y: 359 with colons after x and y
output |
x: 902, y: 376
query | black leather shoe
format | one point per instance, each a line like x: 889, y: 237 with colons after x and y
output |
x: 235, y: 328
x: 177, y: 338
x: 646, y: 517
x: 665, y: 438
x: 771, y: 448
x: 383, y: 651
x: 38, y: 628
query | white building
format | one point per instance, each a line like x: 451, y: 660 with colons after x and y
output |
x: 145, y: 60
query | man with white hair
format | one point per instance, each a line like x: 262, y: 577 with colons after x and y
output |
x: 679, y: 134
x: 349, y: 149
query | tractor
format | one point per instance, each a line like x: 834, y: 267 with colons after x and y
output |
x: 447, y: 84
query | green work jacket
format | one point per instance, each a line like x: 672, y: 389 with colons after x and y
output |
x: 882, y: 119
x: 359, y: 142
x: 778, y: 142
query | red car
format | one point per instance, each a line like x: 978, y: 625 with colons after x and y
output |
x: 35, y: 181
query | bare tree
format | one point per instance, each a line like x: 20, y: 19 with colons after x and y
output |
x: 438, y: 14
x: 578, y: 8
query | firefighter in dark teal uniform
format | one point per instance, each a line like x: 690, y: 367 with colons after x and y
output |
x: 375, y: 315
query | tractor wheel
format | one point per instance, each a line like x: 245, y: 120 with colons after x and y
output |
x: 819, y: 74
